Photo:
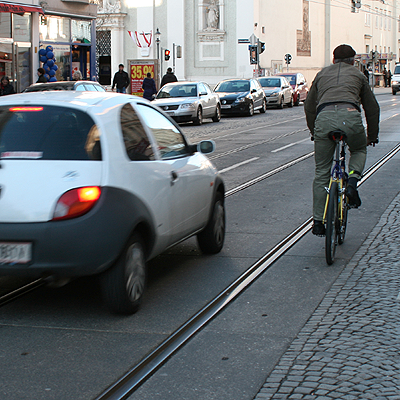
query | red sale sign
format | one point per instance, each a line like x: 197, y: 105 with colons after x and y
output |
x: 138, y: 71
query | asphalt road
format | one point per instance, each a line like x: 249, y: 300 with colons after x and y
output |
x: 63, y: 344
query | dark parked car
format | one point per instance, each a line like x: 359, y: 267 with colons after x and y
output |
x: 81, y: 86
x: 299, y: 85
x: 241, y: 96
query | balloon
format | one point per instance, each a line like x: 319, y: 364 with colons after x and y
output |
x: 50, y: 54
x: 55, y: 67
x: 47, y: 76
x: 43, y: 59
x: 42, y: 52
x: 50, y: 63
x: 53, y: 79
x: 49, y: 48
x: 52, y: 72
x: 46, y: 67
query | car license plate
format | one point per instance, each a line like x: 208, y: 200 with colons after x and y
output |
x: 15, y: 253
x: 225, y: 106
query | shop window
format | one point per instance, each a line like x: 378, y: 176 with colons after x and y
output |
x: 54, y: 29
x: 22, y: 27
x: 81, y: 31
x: 5, y: 25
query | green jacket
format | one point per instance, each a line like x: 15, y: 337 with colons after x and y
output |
x: 342, y: 83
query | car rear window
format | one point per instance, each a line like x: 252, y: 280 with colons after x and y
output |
x: 48, y: 133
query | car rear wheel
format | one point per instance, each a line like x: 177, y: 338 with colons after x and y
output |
x: 394, y: 92
x: 297, y: 102
x: 211, y: 238
x: 263, y: 107
x: 291, y: 102
x: 250, y: 111
x: 217, y: 116
x: 124, y: 283
x: 199, y: 117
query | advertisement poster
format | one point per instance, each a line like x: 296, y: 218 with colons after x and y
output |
x: 138, y: 70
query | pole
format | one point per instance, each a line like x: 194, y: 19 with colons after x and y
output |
x: 161, y: 66
x: 258, y: 57
x: 173, y: 57
x: 327, y: 32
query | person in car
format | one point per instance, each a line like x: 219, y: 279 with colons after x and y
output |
x: 6, y: 87
x: 168, y: 77
x: 333, y: 103
x: 149, y: 87
x: 41, y: 77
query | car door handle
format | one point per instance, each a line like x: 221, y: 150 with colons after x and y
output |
x: 174, y: 177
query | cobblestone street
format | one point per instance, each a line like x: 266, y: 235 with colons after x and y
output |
x: 349, y: 348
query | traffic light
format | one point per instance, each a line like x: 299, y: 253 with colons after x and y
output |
x: 288, y: 57
x: 167, y: 55
x: 178, y: 51
x: 261, y: 47
x: 253, y: 54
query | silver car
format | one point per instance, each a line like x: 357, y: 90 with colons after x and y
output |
x: 277, y: 90
x: 189, y: 101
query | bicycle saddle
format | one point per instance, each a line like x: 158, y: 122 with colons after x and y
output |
x: 337, y: 135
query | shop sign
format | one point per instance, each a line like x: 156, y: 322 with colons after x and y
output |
x: 137, y: 71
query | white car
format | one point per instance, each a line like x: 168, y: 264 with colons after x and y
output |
x: 278, y: 91
x: 189, y: 101
x: 99, y: 183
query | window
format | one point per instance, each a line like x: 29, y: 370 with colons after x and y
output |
x: 68, y: 134
x: 367, y: 20
x: 55, y: 29
x: 376, y: 18
x: 170, y: 141
x: 389, y: 21
x: 367, y: 48
x: 22, y: 27
x: 137, y: 144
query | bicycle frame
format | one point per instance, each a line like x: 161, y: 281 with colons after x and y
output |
x: 338, y: 175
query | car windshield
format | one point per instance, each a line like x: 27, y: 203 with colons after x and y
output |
x: 177, y: 91
x: 397, y: 70
x: 233, y: 86
x: 47, y: 133
x: 291, y: 79
x: 270, y: 82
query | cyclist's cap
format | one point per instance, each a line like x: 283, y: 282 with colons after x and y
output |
x: 343, y: 51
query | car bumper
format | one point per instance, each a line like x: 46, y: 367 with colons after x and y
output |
x: 182, y: 116
x: 273, y: 100
x: 77, y: 247
x: 235, y: 108
x: 396, y: 87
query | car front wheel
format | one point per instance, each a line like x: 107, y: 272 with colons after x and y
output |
x: 394, y: 92
x: 124, y: 283
x: 217, y: 116
x: 290, y: 104
x: 297, y: 102
x: 280, y: 105
x: 199, y: 117
x: 250, y: 111
x: 211, y: 238
x: 263, y: 107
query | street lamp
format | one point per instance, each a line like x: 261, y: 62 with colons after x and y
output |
x: 158, y: 34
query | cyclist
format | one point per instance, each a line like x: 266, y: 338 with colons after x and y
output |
x: 333, y: 102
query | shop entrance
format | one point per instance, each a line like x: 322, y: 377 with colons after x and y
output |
x: 81, y: 61
x: 15, y: 63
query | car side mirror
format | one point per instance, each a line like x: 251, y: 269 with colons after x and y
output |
x: 253, y: 90
x: 206, y: 146
x: 203, y: 94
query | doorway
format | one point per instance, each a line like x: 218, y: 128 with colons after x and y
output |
x: 81, y: 61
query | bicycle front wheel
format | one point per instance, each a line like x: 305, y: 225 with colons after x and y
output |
x: 331, y: 224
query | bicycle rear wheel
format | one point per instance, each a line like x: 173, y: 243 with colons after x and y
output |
x: 331, y: 224
x: 343, y: 225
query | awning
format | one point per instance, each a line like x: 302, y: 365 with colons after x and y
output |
x: 19, y: 8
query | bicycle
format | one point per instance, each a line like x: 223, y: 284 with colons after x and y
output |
x: 336, y: 206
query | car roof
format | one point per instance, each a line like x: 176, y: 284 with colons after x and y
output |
x: 183, y: 83
x: 236, y: 79
x: 75, y: 99
x: 61, y: 85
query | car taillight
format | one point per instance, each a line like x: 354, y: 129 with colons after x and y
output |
x: 76, y: 202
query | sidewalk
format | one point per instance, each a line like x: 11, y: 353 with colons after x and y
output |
x: 350, y: 347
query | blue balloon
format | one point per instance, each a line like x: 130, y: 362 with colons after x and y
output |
x: 43, y: 59
x: 42, y: 52
x: 49, y: 48
x: 53, y: 79
x: 50, y: 54
x: 55, y: 67
x: 46, y: 68
x: 47, y: 76
x: 50, y: 63
x: 52, y: 72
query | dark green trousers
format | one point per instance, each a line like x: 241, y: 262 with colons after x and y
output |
x: 349, y: 122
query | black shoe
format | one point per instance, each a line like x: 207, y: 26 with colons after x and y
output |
x: 354, y: 198
x: 318, y: 228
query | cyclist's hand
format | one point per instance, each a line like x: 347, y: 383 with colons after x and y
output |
x: 372, y: 142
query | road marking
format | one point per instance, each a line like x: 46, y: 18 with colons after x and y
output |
x: 238, y: 165
x: 290, y: 145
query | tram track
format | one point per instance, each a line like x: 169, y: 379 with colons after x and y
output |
x: 137, y: 375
